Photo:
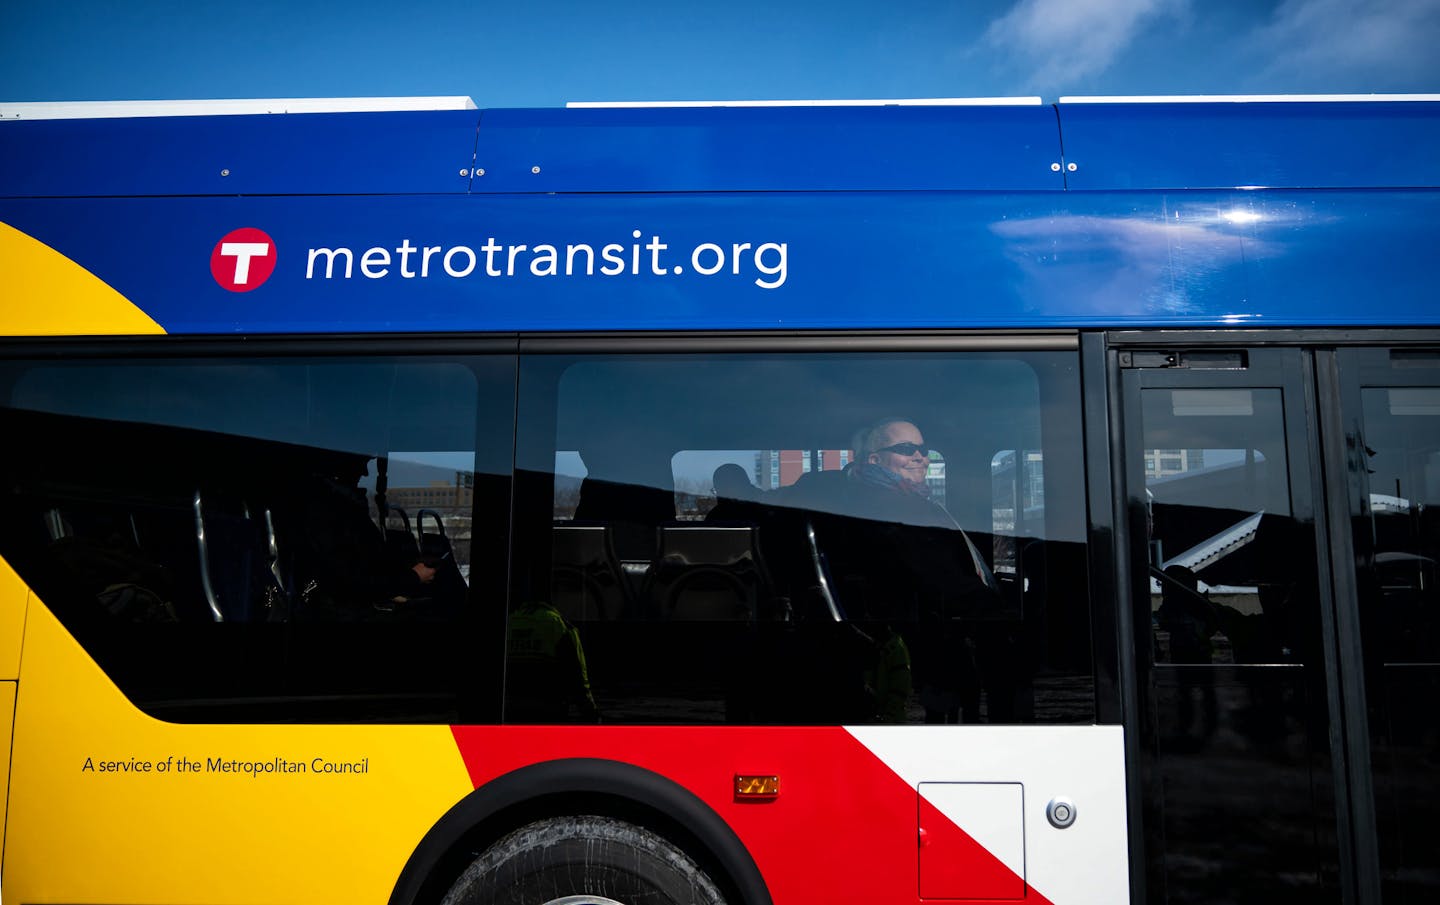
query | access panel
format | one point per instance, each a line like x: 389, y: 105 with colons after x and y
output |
x: 986, y: 858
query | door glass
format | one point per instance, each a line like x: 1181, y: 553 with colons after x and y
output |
x: 1238, y: 779
x: 1397, y: 543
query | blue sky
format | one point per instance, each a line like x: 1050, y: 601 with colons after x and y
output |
x: 547, y: 52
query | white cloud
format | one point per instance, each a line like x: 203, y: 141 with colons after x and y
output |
x: 1062, y: 41
x: 1330, y: 44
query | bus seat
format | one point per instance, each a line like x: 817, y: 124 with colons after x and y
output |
x: 400, y: 543
x: 436, y: 551
x: 588, y: 583
x: 707, y: 573
x: 241, y: 574
x: 633, y: 511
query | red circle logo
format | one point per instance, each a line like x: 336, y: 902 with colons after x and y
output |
x: 243, y: 260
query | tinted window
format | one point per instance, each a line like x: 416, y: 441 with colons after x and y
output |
x: 1397, y: 539
x: 1237, y: 770
x: 717, y: 538
x: 263, y: 538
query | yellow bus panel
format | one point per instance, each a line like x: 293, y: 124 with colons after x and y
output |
x: 51, y: 295
x: 156, y: 812
x: 13, y: 595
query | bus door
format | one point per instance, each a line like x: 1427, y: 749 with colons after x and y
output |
x: 1389, y: 463
x: 1229, y: 613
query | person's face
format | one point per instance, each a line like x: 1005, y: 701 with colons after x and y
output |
x: 912, y: 467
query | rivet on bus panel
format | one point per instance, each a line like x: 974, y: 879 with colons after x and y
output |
x: 1055, y: 167
x: 757, y: 788
x: 1072, y: 167
x: 225, y: 172
x: 534, y: 169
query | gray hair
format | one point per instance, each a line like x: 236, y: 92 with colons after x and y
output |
x: 869, y: 439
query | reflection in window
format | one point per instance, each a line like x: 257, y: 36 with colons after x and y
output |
x: 1401, y: 542
x: 1235, y: 747
x: 206, y: 527
x: 1221, y: 569
x: 429, y: 495
x: 1207, y: 591
x: 724, y: 555
x: 1018, y: 494
x: 1396, y: 532
x: 709, y: 481
x: 570, y: 473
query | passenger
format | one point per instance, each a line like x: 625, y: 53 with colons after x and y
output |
x: 346, y: 573
x: 732, y: 483
x: 888, y: 484
x: 632, y: 493
x: 735, y: 497
x: 915, y: 567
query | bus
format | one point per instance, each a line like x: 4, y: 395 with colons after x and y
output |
x: 883, y: 503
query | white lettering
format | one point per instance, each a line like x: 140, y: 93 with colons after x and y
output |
x: 713, y: 249
x: 770, y: 260
x: 611, y: 253
x: 330, y: 255
x: 778, y: 269
x: 547, y: 255
x: 490, y: 248
x: 405, y: 249
x: 450, y: 255
x: 510, y: 265
x: 372, y: 258
x: 735, y: 256
x: 570, y: 251
x: 242, y: 252
x: 655, y: 246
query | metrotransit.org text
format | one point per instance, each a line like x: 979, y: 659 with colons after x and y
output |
x: 769, y: 261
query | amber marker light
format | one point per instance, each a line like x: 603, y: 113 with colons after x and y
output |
x: 756, y: 788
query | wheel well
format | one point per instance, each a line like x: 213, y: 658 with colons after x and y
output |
x: 570, y: 788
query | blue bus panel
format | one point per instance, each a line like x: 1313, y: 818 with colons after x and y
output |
x: 744, y: 218
x: 769, y: 149
x: 274, y: 154
x: 1264, y: 145
x: 769, y: 261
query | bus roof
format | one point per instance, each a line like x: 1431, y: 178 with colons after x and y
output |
x: 1095, y: 145
x: 226, y: 107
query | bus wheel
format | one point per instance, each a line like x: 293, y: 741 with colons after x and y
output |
x: 597, y: 860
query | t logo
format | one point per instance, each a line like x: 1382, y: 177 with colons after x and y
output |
x: 243, y: 260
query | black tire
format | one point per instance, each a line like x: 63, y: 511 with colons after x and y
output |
x: 583, y: 860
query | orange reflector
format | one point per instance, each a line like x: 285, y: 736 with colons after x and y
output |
x: 756, y: 788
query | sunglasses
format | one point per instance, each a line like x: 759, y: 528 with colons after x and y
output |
x: 906, y: 449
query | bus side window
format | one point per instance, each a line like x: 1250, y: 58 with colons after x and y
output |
x: 211, y: 529
x: 724, y: 557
